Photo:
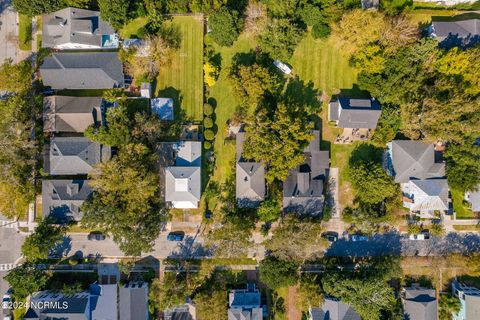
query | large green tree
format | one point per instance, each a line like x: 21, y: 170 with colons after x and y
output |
x: 280, y: 38
x: 231, y: 240
x: 39, y: 244
x: 276, y: 273
x: 116, y: 12
x: 37, y: 7
x: 369, y: 296
x: 16, y: 78
x: 225, y: 26
x: 25, y: 280
x: 463, y: 166
x: 132, y: 216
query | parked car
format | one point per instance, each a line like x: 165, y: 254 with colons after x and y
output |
x: 7, y: 298
x: 421, y: 236
x: 97, y: 236
x: 331, y: 236
x: 175, y: 236
x: 358, y: 237
x: 282, y: 67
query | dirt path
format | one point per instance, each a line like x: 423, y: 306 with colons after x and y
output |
x: 292, y: 312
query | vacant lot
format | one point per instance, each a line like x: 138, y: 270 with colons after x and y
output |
x: 322, y: 62
x: 182, y: 78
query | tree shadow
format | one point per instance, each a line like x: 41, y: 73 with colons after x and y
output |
x: 354, y: 92
x: 62, y: 249
x: 189, y: 249
x: 364, y: 153
x: 176, y: 95
x: 299, y: 93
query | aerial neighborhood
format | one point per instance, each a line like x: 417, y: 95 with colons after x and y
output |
x: 240, y: 160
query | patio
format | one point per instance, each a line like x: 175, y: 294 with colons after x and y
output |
x: 350, y: 135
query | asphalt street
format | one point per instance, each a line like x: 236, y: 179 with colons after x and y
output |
x: 8, y: 31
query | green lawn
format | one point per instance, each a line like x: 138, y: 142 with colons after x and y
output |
x: 322, y: 62
x: 25, y: 32
x: 182, y: 78
x: 130, y: 29
x: 225, y: 107
x: 463, y: 211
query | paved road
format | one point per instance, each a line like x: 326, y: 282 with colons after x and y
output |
x: 395, y: 244
x: 8, y: 31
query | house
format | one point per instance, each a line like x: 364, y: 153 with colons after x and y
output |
x: 186, y: 311
x: 473, y: 197
x: 73, y: 155
x: 250, y: 178
x: 457, y: 27
x: 303, y: 188
x: 469, y: 301
x: 352, y: 113
x: 420, y: 171
x: 62, y: 199
x: 74, y: 28
x: 87, y: 70
x: 333, y: 309
x: 99, y: 302
x: 245, y: 304
x: 163, y: 107
x: 183, y: 180
x: 71, y: 114
x: 133, y: 301
x: 419, y: 303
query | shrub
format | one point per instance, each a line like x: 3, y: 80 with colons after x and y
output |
x: 207, y: 122
x: 72, y: 261
x: 207, y: 145
x: 321, y: 30
x: 207, y: 109
x: 209, y: 135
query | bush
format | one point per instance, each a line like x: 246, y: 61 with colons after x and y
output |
x: 276, y: 273
x: 207, y: 109
x: 72, y: 261
x: 207, y: 122
x: 207, y: 145
x: 209, y: 135
x: 321, y: 30
x: 225, y: 26
x: 414, y: 228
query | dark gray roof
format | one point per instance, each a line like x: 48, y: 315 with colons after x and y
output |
x: 134, y: 301
x: 103, y: 301
x: 414, y: 159
x: 62, y: 199
x: 182, y: 184
x: 76, y: 309
x: 87, y: 70
x: 74, y: 26
x: 303, y: 188
x: 240, y: 314
x: 420, y: 304
x: 333, y: 111
x: 70, y: 114
x: 333, y: 309
x: 182, y: 312
x: 250, y: 178
x: 461, y: 28
x: 73, y: 155
x: 357, y: 113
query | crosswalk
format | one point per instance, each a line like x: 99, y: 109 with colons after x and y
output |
x: 7, y: 266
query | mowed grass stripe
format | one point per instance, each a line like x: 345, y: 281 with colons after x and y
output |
x: 185, y: 72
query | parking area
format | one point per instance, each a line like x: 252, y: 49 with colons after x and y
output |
x: 8, y: 31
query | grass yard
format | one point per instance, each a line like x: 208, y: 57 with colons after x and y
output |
x: 225, y: 107
x: 468, y: 228
x: 24, y: 32
x: 463, y: 211
x: 322, y: 62
x: 130, y: 30
x: 182, y: 78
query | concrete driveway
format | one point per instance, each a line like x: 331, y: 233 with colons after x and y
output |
x: 8, y: 31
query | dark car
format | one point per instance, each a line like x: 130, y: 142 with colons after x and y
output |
x: 175, y: 236
x: 331, y: 236
x: 97, y: 236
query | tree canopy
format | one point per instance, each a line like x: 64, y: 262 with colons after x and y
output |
x: 39, y: 244
x: 463, y: 166
x: 280, y: 38
x: 25, y: 280
x: 225, y: 26
x: 16, y: 78
x: 276, y: 273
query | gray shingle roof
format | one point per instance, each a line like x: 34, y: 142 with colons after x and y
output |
x: 70, y: 114
x: 303, y: 188
x: 134, y: 301
x: 474, y: 199
x: 356, y: 113
x: 420, y: 304
x: 182, y: 184
x: 73, y: 155
x: 333, y: 309
x: 87, y: 70
x: 75, y: 26
x: 431, y: 194
x: 239, y: 314
x: 414, y: 159
x: 472, y: 307
x: 461, y: 28
x: 250, y: 178
x: 62, y: 199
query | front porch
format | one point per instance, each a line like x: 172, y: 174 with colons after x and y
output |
x: 349, y: 135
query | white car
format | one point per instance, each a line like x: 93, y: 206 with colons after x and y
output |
x: 420, y: 236
x: 282, y: 67
x: 6, y: 301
